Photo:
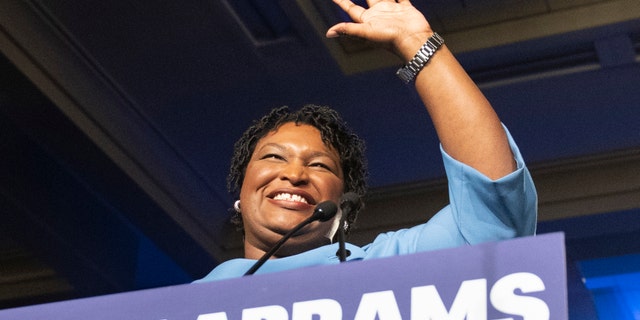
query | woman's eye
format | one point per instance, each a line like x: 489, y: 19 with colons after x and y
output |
x: 272, y: 156
x: 320, y: 165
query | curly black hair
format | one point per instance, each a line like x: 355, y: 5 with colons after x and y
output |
x: 334, y: 132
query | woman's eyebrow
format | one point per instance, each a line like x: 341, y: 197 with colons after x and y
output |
x: 314, y: 154
x: 273, y: 145
x: 318, y: 154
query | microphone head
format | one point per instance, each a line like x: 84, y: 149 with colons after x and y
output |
x: 325, y: 211
x: 349, y: 200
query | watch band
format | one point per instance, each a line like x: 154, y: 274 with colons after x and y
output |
x: 411, y: 69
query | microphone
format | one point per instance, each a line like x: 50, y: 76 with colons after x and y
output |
x: 348, y: 202
x: 324, y: 211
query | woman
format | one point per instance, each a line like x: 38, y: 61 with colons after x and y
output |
x: 288, y: 162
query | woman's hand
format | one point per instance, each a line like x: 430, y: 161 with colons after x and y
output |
x: 467, y: 125
x: 396, y: 26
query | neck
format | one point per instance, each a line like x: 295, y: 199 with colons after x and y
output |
x: 288, y: 249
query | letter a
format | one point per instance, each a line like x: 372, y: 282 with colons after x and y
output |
x: 381, y: 303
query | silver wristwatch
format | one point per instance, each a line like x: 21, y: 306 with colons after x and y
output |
x: 411, y: 69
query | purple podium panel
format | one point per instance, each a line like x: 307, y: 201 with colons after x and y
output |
x: 523, y: 278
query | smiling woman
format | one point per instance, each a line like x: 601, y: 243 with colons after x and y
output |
x: 288, y: 162
x: 291, y: 171
x: 337, y: 150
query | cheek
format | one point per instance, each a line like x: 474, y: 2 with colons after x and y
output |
x: 250, y: 183
x: 334, y: 187
x: 256, y: 176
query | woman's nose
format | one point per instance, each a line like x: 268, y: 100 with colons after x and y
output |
x: 295, y: 172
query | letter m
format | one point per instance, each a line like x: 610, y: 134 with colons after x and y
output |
x: 470, y: 302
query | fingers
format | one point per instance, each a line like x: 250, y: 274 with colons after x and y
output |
x: 354, y: 11
x: 333, y: 32
x: 339, y: 29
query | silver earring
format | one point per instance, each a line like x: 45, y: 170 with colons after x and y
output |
x: 236, y: 206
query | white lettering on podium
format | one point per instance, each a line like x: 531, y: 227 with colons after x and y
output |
x: 324, y: 309
x: 213, y: 316
x: 265, y: 313
x: 504, y: 299
x: 470, y: 303
x: 383, y: 304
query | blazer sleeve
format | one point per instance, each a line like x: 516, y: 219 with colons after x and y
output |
x: 480, y: 210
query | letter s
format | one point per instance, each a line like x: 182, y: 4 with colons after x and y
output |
x: 504, y: 299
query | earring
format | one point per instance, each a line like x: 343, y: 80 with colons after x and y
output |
x: 236, y: 206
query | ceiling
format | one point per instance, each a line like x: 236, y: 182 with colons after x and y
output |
x: 118, y: 117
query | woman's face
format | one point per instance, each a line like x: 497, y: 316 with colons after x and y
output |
x: 290, y: 171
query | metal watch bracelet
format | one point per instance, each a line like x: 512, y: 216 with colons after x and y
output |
x: 411, y: 69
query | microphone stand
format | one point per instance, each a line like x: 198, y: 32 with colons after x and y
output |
x: 342, y: 250
x: 277, y: 246
x: 323, y: 212
x: 347, y: 203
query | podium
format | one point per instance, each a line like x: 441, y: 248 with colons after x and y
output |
x: 523, y: 278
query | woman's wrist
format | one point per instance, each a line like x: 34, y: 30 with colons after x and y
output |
x: 410, y: 45
x: 424, y: 54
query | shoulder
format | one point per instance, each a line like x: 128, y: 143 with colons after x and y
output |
x: 234, y: 268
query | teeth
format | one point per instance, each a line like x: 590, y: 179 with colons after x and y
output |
x: 290, y: 197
